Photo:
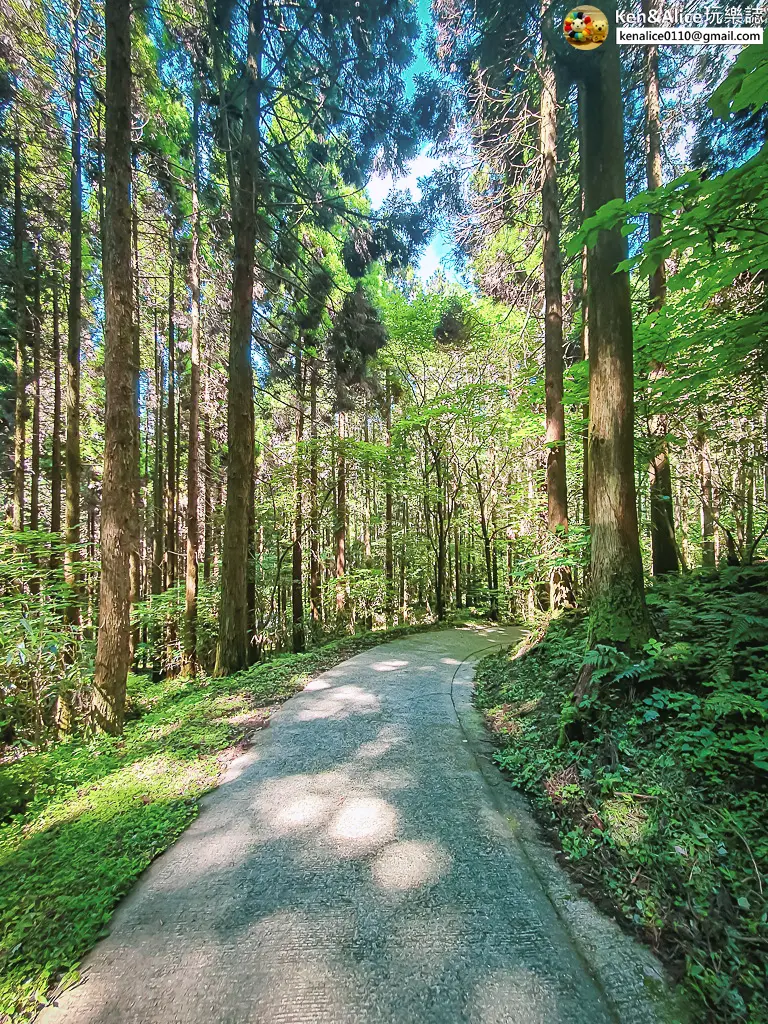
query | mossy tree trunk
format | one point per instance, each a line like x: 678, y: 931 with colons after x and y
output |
x: 618, y: 613
x: 193, y: 449
x: 20, y: 297
x: 232, y: 649
x: 118, y: 533
x: 561, y: 585
x: 72, y: 461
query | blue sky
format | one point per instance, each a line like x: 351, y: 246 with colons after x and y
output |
x: 378, y: 187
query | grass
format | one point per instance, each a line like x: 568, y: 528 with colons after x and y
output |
x: 92, y: 815
x: 659, y: 805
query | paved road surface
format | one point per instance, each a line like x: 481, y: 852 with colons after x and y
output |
x: 356, y: 867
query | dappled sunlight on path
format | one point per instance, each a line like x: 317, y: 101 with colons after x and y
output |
x: 352, y: 867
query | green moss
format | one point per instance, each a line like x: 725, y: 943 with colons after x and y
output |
x: 94, y: 814
x: 660, y: 806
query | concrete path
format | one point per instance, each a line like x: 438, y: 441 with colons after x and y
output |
x: 356, y: 866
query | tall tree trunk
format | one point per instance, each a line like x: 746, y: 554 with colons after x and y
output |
x: 583, y: 115
x: 74, y: 329
x: 171, y: 546
x: 481, y: 502
x: 208, y: 496
x: 37, y: 315
x: 663, y: 547
x: 193, y: 449
x: 232, y: 651
x: 118, y: 531
x: 157, y: 503
x: 136, y: 482
x: 315, y: 581
x: 367, y: 509
x: 297, y: 581
x: 20, y: 294
x: 56, y: 426
x: 442, y: 531
x: 457, y: 564
x: 340, y: 536
x: 402, y: 602
x: 389, y: 560
x: 618, y: 613
x: 561, y: 585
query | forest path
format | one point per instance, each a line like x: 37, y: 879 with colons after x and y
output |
x: 357, y: 865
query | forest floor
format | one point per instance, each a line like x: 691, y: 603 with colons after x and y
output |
x: 353, y: 865
x: 659, y: 807
x: 80, y: 820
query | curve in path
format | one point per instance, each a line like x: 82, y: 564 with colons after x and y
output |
x: 354, y: 867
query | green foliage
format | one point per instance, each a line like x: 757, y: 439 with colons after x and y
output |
x: 660, y: 803
x: 746, y: 85
x: 43, y: 659
x: 80, y: 821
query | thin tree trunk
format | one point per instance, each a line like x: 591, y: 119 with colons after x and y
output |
x: 193, y: 449
x: 664, y: 549
x: 208, y: 496
x: 171, y: 546
x: 367, y: 524
x: 232, y: 651
x: 389, y: 561
x: 457, y: 564
x: 402, y: 596
x: 297, y: 581
x: 136, y: 483
x: 441, y: 543
x: 37, y: 315
x: 118, y: 530
x: 340, y: 536
x: 74, y: 329
x: 20, y: 293
x: 56, y: 426
x: 561, y: 584
x: 618, y: 612
x: 583, y: 115
x: 158, y: 492
x: 315, y: 569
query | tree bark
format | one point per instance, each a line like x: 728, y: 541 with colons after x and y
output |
x: 297, y: 581
x: 389, y: 560
x: 561, y: 585
x: 74, y: 329
x: 315, y: 579
x: 618, y: 613
x: 583, y: 114
x: 20, y: 294
x: 340, y: 536
x: 208, y: 496
x: 457, y: 564
x: 37, y: 316
x: 171, y: 546
x: 157, y: 503
x: 118, y: 533
x: 193, y: 449
x: 232, y: 651
x: 367, y: 508
x: 664, y: 549
x: 136, y: 482
x: 56, y: 426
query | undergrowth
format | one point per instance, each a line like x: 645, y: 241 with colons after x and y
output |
x: 81, y: 820
x: 660, y: 806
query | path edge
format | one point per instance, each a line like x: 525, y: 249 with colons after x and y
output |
x: 653, y: 999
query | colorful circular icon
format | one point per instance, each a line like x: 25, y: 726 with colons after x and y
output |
x: 585, y: 28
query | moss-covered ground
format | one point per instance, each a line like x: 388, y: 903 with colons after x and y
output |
x: 659, y: 803
x: 81, y: 820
